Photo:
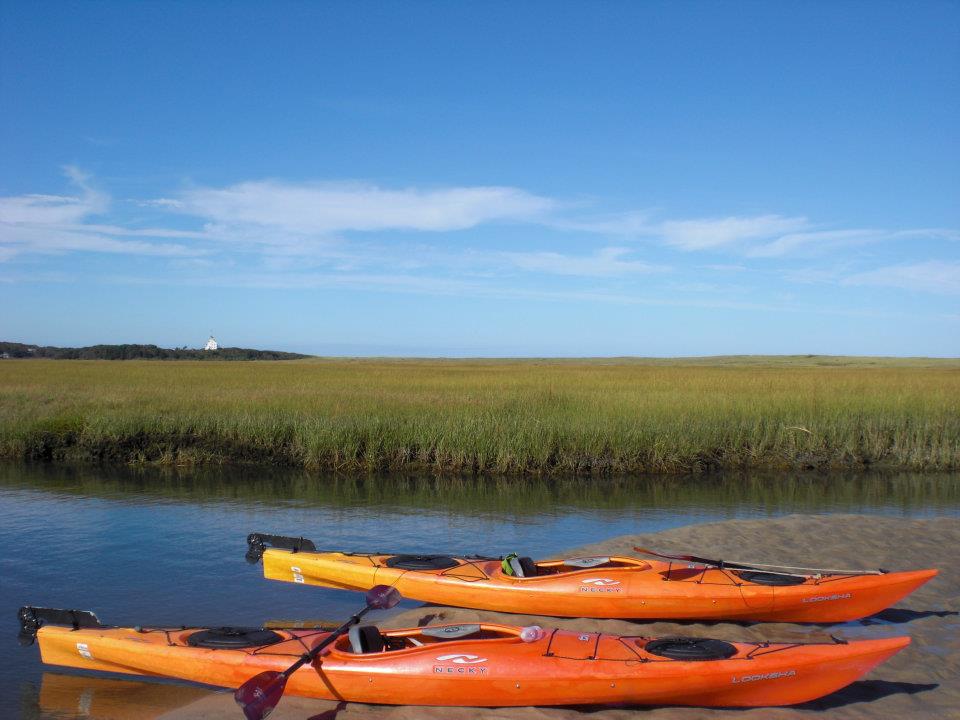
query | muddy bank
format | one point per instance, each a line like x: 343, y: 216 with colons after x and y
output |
x: 923, y: 681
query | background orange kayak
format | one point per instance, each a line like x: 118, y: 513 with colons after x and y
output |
x: 613, y: 587
x: 480, y: 665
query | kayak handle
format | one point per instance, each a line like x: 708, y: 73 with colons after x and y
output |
x: 33, y: 618
x: 258, y: 542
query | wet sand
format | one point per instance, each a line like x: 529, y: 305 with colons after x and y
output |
x: 923, y: 681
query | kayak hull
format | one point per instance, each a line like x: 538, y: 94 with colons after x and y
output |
x: 561, y: 668
x: 625, y: 588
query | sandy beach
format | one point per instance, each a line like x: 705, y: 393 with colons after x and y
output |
x: 921, y: 682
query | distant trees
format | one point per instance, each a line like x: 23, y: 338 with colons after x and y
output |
x: 140, y: 352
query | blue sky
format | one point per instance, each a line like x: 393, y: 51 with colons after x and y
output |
x: 483, y: 179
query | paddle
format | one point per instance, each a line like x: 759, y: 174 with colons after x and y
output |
x: 259, y: 695
x: 736, y: 565
x: 688, y: 558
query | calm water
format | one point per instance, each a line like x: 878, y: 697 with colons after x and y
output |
x: 155, y: 547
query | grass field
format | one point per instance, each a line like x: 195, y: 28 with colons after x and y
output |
x: 551, y: 417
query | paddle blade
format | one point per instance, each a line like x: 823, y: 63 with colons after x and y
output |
x: 259, y: 695
x: 383, y: 597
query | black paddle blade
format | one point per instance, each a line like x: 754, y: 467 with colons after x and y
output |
x: 259, y: 695
x: 383, y: 597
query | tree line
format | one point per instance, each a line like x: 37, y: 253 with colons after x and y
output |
x: 139, y: 352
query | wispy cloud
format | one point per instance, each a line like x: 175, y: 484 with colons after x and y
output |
x: 822, y: 241
x: 331, y: 208
x: 757, y: 236
x: 724, y: 233
x: 463, y: 287
x: 726, y: 267
x: 937, y: 276
x: 609, y: 261
x: 61, y: 223
x: 354, y: 232
x: 628, y: 224
x: 55, y: 209
x: 710, y: 234
x: 51, y: 239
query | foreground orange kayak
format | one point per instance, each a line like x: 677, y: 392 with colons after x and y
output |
x: 605, y: 587
x: 472, y: 665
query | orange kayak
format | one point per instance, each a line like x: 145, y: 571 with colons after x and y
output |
x: 469, y: 665
x: 607, y: 587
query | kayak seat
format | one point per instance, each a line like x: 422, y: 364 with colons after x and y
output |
x: 421, y: 562
x: 366, y: 639
x: 523, y: 567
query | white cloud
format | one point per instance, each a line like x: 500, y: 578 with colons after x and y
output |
x: 120, y: 231
x: 714, y: 233
x: 936, y: 276
x: 460, y: 287
x: 726, y: 267
x: 757, y: 236
x: 330, y: 208
x: 606, y: 262
x: 43, y: 209
x: 734, y: 233
x: 59, y: 223
x: 53, y: 239
x: 55, y: 209
x: 812, y: 275
x: 340, y: 230
x: 635, y: 224
x: 819, y: 241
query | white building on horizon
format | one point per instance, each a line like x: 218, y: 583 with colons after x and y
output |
x: 211, y: 344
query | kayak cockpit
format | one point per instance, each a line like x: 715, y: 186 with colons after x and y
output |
x: 369, y: 639
x: 526, y: 568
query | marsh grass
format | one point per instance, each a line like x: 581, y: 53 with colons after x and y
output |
x: 567, y: 417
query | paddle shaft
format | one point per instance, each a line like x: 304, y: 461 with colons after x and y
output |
x: 734, y: 565
x: 308, y: 656
x: 259, y: 695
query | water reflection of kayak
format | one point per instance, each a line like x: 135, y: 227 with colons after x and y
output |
x: 109, y: 699
x: 597, y: 587
x: 480, y: 664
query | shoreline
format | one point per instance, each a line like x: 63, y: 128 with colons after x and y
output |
x: 160, y: 456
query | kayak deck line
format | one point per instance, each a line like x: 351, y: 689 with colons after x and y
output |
x: 483, y: 664
x: 599, y: 587
x: 766, y: 567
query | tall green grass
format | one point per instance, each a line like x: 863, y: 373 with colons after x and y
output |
x: 489, y: 417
